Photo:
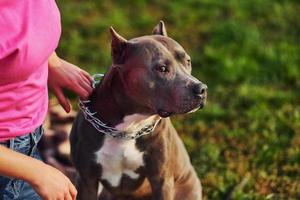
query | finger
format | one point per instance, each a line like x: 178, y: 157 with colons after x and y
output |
x: 68, y: 196
x: 60, y: 196
x: 87, y: 86
x: 87, y: 81
x: 73, y: 190
x: 63, y: 101
x: 79, y: 90
x: 87, y: 75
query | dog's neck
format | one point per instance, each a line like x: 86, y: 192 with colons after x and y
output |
x: 114, y: 107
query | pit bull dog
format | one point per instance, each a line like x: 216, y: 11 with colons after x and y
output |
x: 123, y: 144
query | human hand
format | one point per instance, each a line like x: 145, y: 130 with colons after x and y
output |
x: 63, y: 74
x: 51, y: 184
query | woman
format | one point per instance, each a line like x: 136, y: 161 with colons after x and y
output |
x: 29, y: 35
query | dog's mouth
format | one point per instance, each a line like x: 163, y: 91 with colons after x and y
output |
x: 183, y: 108
x: 163, y: 113
x: 201, y: 105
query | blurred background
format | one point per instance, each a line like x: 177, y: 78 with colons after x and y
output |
x: 245, y: 144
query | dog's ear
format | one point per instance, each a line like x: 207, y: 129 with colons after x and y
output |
x: 160, y: 29
x: 118, y: 44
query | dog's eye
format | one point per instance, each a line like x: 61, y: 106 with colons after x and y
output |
x: 163, y: 68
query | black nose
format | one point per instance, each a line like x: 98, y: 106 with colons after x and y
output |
x: 199, y: 89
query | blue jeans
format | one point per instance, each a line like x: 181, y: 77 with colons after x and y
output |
x: 15, y: 189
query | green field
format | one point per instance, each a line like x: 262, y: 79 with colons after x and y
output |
x: 245, y: 144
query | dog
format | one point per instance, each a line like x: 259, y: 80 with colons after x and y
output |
x: 123, y: 143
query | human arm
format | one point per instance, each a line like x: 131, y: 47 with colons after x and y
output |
x: 63, y: 74
x: 47, y: 181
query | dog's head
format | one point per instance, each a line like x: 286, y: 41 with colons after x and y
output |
x: 156, y: 73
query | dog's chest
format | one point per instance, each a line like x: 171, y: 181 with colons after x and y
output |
x: 119, y: 157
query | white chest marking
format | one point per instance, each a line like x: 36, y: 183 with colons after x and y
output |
x: 118, y: 157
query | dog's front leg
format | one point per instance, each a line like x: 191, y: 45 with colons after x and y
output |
x: 162, y: 188
x: 87, y: 189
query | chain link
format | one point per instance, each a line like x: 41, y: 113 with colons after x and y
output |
x: 104, y: 128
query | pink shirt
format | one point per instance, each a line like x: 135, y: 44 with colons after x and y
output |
x: 29, y: 33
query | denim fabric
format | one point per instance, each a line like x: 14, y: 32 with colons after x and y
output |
x: 14, y: 189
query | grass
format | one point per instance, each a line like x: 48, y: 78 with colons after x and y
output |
x: 245, y: 144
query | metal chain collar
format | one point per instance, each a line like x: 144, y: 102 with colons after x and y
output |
x: 105, y: 129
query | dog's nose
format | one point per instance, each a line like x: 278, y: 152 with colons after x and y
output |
x: 199, y: 89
